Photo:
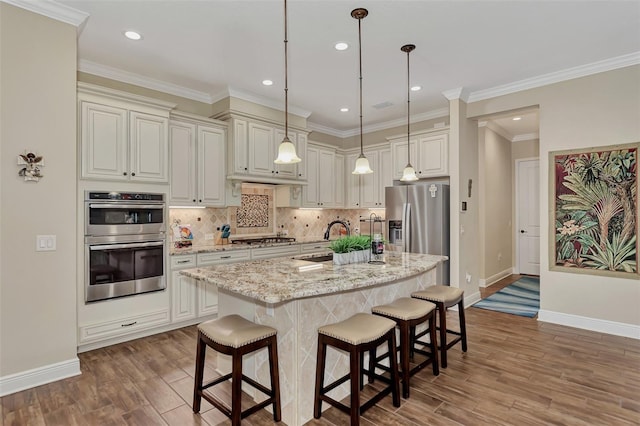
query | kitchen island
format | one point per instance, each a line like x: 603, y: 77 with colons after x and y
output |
x: 276, y: 292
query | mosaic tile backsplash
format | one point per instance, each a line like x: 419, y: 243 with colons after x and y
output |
x: 253, y: 211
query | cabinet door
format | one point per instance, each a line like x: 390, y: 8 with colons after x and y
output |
x: 326, y: 178
x: 399, y: 156
x: 433, y: 156
x: 285, y: 170
x: 211, y: 170
x: 261, y: 150
x: 352, y: 182
x: 183, y: 295
x: 207, y: 299
x: 385, y: 177
x: 240, y: 159
x: 182, y: 176
x: 369, y: 187
x: 310, y: 196
x: 339, y: 184
x: 148, y: 147
x: 104, y: 142
x: 301, y: 149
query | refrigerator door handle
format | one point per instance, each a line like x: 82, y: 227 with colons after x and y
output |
x: 406, y: 223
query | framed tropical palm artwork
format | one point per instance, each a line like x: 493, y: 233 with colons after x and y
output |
x: 594, y: 203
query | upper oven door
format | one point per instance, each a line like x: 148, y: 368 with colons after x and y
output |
x: 122, y: 218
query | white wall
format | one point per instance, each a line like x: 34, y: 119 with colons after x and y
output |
x: 38, y: 112
x: 601, y: 109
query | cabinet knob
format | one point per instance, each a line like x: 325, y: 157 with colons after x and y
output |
x: 199, y: 201
x: 299, y: 174
x: 245, y: 169
x: 272, y: 171
x: 277, y: 172
x: 420, y: 172
x: 124, y: 173
x: 133, y: 174
x: 194, y: 201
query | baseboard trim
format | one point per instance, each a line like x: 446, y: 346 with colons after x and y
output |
x: 593, y: 324
x: 39, y: 376
x: 495, y: 278
x: 469, y: 299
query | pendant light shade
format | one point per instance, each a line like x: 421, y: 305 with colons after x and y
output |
x: 362, y: 164
x: 409, y: 173
x: 286, y: 149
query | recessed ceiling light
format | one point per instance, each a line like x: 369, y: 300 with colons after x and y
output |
x: 267, y: 82
x: 341, y: 46
x: 516, y: 118
x: 132, y: 35
x: 416, y: 88
x: 344, y: 109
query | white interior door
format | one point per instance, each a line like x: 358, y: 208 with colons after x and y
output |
x: 528, y: 216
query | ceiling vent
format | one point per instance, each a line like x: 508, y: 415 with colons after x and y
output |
x: 381, y: 105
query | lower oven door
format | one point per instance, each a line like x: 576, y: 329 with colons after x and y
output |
x: 123, y: 269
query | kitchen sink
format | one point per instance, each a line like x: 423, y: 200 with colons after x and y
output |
x: 320, y: 258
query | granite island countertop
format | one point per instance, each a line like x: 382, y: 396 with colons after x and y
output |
x: 279, y: 279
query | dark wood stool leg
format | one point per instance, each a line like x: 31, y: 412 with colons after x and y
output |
x: 463, y: 325
x: 275, y: 378
x: 354, y: 361
x: 442, y: 310
x: 372, y: 366
x: 320, y: 363
x: 197, y: 387
x: 433, y: 347
x: 393, y: 357
x: 405, y: 349
x: 236, y: 388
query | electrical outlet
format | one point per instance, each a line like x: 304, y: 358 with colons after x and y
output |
x: 208, y: 236
x: 499, y: 257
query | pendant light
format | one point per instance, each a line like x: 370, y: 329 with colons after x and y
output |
x: 409, y: 173
x: 362, y: 164
x: 286, y: 149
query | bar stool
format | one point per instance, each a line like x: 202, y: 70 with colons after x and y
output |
x: 236, y: 336
x: 444, y: 297
x: 356, y: 335
x: 409, y: 313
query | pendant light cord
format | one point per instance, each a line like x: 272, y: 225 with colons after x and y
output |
x: 408, y: 111
x: 360, y: 63
x: 286, y: 79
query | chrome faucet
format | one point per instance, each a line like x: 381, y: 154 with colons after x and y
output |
x: 342, y: 222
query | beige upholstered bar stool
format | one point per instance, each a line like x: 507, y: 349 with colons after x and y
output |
x: 408, y: 313
x: 236, y: 336
x: 445, y: 297
x: 356, y: 335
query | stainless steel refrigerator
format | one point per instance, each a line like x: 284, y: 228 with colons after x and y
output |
x: 417, y: 218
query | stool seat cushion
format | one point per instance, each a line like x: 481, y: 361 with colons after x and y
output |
x: 405, y: 308
x: 360, y: 328
x: 439, y: 293
x: 235, y: 331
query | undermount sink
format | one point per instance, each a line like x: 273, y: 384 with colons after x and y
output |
x: 322, y: 258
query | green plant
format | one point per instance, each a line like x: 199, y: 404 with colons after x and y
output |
x: 351, y: 243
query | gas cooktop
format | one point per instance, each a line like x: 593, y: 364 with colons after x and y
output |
x: 264, y: 240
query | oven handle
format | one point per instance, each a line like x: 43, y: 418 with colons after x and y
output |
x: 126, y: 245
x: 126, y: 206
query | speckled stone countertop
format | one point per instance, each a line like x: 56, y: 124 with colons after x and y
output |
x: 279, y: 279
x: 209, y: 248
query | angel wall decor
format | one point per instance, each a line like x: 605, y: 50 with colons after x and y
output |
x: 32, y: 164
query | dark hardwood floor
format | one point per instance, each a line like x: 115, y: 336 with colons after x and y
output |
x: 516, y: 371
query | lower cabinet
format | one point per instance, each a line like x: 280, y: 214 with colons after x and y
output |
x: 123, y: 326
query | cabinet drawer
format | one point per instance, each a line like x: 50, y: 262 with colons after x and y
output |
x: 267, y: 252
x: 315, y: 247
x: 230, y: 256
x: 183, y: 261
x: 122, y: 326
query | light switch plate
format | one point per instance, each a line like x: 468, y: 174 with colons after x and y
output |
x: 45, y: 242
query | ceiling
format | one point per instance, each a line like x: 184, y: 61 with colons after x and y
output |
x: 207, y: 50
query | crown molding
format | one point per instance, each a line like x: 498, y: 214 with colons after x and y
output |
x: 261, y: 100
x: 557, y: 77
x: 525, y: 137
x: 443, y: 112
x: 457, y: 93
x: 138, y: 80
x: 53, y: 10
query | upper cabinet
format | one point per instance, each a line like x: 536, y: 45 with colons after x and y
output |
x: 320, y: 190
x: 429, y: 154
x: 367, y: 191
x: 254, y: 146
x: 198, y: 150
x: 123, y: 137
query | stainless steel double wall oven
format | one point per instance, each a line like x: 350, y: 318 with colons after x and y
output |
x: 124, y: 244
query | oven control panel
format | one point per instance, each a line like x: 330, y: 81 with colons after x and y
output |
x: 127, y: 196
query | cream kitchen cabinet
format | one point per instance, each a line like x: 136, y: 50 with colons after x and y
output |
x: 429, y: 154
x: 373, y: 184
x: 123, y: 137
x: 198, y: 175
x: 321, y: 180
x: 339, y: 195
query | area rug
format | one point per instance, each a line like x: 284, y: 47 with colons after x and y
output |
x: 520, y: 298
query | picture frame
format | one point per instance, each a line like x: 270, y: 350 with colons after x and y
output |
x: 593, y: 211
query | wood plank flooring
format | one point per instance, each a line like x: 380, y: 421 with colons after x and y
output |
x: 517, y: 371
